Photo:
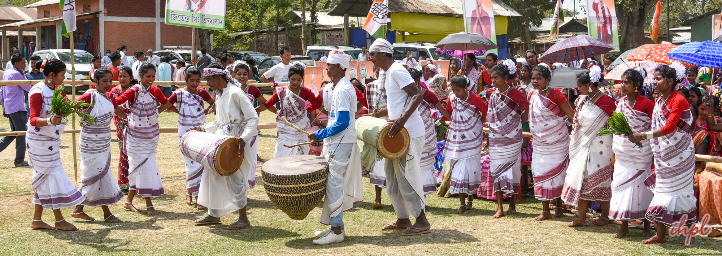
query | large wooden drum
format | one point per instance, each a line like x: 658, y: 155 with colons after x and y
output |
x: 375, y: 132
x: 295, y: 184
x: 215, y: 152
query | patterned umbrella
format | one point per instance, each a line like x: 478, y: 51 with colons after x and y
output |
x: 653, y: 52
x: 459, y: 53
x: 575, y: 48
x: 649, y: 66
x: 703, y: 54
x: 620, y: 59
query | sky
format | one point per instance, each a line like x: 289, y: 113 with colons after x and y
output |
x: 569, y: 5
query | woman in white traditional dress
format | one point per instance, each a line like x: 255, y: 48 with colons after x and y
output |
x: 547, y: 111
x: 508, y: 109
x: 633, y: 165
x: 466, y: 111
x: 589, y: 175
x: 97, y: 182
x: 242, y: 74
x: 141, y: 138
x: 188, y: 102
x: 674, y: 201
x: 235, y: 117
x: 293, y: 107
x: 53, y: 189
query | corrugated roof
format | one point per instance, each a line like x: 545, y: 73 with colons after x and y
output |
x: 547, y: 23
x: 41, y: 20
x: 43, y: 2
x: 15, y: 13
x: 360, y: 8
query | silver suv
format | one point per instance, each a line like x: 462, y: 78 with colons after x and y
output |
x: 418, y: 49
x: 318, y: 51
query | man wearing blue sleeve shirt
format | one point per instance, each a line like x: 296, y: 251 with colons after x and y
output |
x: 340, y: 150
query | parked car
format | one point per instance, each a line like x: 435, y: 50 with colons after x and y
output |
x: 318, y: 51
x: 244, y: 55
x: 83, y: 64
x: 175, y: 55
x: 418, y: 49
x: 272, y: 61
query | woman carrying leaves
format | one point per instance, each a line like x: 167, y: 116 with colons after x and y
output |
x: 53, y: 189
x: 673, y: 153
x: 632, y: 167
x: 141, y: 138
x: 589, y: 175
x: 547, y: 109
x: 97, y: 182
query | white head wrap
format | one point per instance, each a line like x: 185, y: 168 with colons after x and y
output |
x: 544, y: 65
x: 433, y: 68
x: 381, y: 45
x: 233, y: 66
x: 595, y: 73
x: 511, y: 65
x: 522, y: 60
x: 338, y: 57
x: 208, y: 72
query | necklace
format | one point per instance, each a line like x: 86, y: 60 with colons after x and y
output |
x: 665, y: 99
x: 468, y: 94
x: 505, y: 92
x: 545, y: 91
x: 594, y: 96
x: 630, y: 103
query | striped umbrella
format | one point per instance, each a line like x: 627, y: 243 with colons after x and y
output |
x: 702, y: 54
x: 653, y: 52
x: 575, y: 48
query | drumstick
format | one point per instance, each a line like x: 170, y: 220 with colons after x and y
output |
x: 293, y: 126
x: 296, y: 145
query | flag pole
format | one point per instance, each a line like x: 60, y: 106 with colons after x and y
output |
x: 72, y: 70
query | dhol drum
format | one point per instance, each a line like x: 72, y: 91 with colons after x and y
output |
x: 215, y: 152
x: 295, y: 184
x: 375, y: 132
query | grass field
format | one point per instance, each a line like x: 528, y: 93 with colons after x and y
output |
x: 172, y: 232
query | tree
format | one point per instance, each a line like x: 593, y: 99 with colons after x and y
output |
x: 631, y: 16
x: 532, y: 13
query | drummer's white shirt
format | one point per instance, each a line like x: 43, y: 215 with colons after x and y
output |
x: 341, y: 97
x: 397, y: 77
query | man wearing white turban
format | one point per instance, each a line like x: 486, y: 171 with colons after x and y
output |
x: 403, y: 176
x: 340, y: 149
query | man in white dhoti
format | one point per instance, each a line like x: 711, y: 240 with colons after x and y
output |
x: 340, y: 150
x: 403, y: 176
x: 226, y: 194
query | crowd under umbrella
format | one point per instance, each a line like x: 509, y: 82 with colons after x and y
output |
x: 702, y: 54
x: 466, y: 42
x: 648, y: 66
x: 575, y: 48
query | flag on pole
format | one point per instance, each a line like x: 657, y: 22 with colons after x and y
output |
x: 377, y: 19
x: 68, y: 7
x: 654, y: 27
x: 558, y: 20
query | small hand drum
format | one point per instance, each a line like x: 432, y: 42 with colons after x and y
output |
x: 374, y: 131
x: 295, y: 184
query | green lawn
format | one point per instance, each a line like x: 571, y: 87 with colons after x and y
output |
x: 173, y: 233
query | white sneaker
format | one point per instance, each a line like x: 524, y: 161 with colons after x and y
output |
x: 323, y: 233
x: 330, y: 238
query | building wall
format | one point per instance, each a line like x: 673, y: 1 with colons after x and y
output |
x: 79, y: 5
x: 130, y: 8
x: 332, y: 37
x: 174, y: 35
x: 702, y: 29
x: 138, y: 36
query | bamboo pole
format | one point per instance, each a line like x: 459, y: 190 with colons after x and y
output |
x: 162, y: 130
x: 72, y: 76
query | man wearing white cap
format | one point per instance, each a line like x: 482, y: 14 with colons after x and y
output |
x: 152, y: 59
x: 340, y: 149
x: 403, y: 176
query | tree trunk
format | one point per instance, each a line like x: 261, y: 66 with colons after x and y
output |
x: 303, y: 26
x: 205, y: 39
x: 527, y: 35
x: 632, y: 22
x: 314, y: 19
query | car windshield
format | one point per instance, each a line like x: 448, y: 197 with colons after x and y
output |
x: 80, y: 57
x: 186, y: 56
x: 258, y: 57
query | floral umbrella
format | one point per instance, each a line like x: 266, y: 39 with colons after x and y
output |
x: 648, y: 66
x: 654, y: 52
x: 459, y: 53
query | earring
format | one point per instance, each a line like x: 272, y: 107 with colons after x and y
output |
x: 590, y: 89
x: 636, y: 89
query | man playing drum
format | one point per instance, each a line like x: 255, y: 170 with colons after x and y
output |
x: 340, y: 149
x: 226, y: 194
x: 403, y: 175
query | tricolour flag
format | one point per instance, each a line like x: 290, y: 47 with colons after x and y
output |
x: 377, y: 19
x: 68, y: 7
x: 654, y: 27
x: 558, y: 20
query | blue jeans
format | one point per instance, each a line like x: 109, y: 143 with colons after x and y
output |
x: 337, y: 221
x: 18, y: 121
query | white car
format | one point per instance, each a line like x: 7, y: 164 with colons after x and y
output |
x: 318, y: 51
x: 83, y: 60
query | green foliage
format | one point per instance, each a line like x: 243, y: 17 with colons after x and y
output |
x: 618, y: 125
x: 64, y: 107
x: 532, y: 13
x: 17, y: 2
x: 441, y: 129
